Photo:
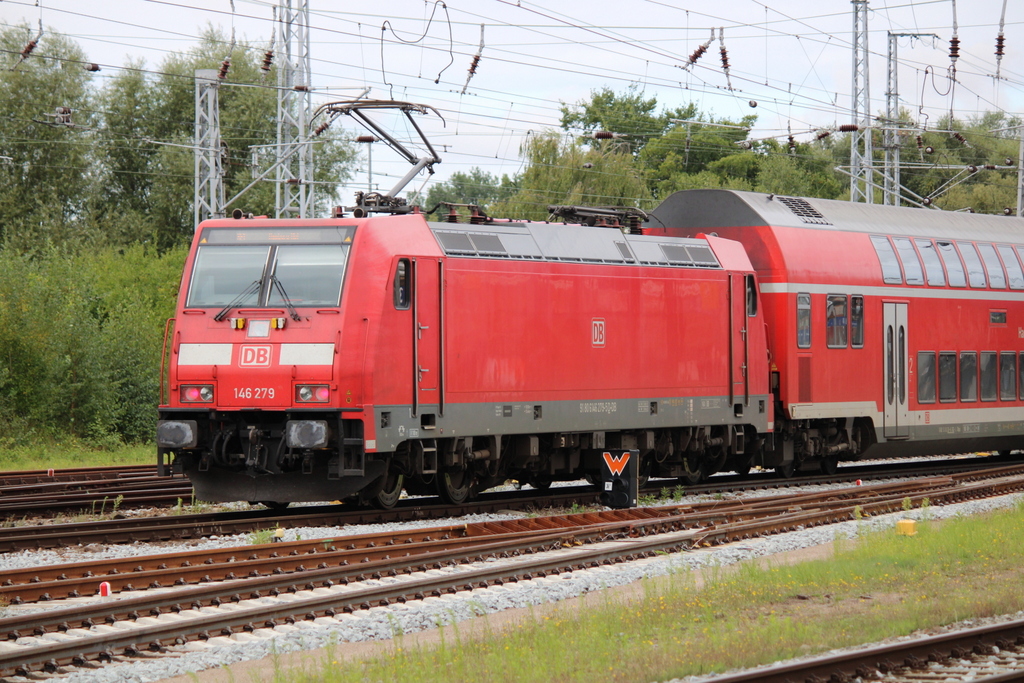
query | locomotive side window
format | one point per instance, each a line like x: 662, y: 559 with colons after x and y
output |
x: 401, y: 285
x: 803, y: 321
x: 836, y: 325
x: 911, y: 263
x: 932, y: 264
x: 891, y: 273
x: 947, y: 377
x: 996, y: 276
x: 1008, y: 376
x: 926, y: 377
x: 968, y: 376
x: 975, y: 272
x: 857, y: 322
x: 1013, y: 270
x: 751, y: 296
x: 954, y: 268
x: 989, y: 376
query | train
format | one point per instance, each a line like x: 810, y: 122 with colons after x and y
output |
x: 354, y: 357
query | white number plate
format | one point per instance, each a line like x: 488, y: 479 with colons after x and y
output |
x: 254, y: 392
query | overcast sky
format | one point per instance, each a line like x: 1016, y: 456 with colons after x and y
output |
x: 793, y: 58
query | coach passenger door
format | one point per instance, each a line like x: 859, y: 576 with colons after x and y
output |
x: 895, y: 356
x: 427, y: 304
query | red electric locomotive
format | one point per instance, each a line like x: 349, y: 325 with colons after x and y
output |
x: 891, y: 330
x: 322, y: 359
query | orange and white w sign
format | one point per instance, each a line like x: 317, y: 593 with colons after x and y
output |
x: 616, y: 463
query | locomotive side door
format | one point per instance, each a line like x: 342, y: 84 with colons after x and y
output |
x: 739, y: 303
x: 427, y: 307
x: 895, y: 356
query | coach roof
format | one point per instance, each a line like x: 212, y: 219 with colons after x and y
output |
x: 708, y: 210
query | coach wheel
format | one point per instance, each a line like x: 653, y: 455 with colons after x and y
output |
x: 392, y: 491
x: 454, y: 486
x: 272, y: 504
x: 830, y: 464
x: 693, y: 469
x: 786, y: 471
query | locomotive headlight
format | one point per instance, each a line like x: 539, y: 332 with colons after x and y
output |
x: 312, y: 393
x: 196, y: 393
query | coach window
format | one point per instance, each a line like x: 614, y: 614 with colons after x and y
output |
x: 1013, y: 271
x: 989, y: 376
x: 975, y: 273
x: 857, y: 322
x: 968, y: 376
x: 911, y: 263
x: 836, y: 321
x: 996, y: 276
x: 932, y: 264
x: 891, y: 274
x: 401, y: 285
x: 954, y: 268
x: 926, y: 377
x: 1008, y: 376
x: 947, y: 377
x: 1020, y: 375
x: 803, y: 321
x: 751, y: 296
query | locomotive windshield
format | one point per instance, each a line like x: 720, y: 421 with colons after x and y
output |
x: 292, y: 267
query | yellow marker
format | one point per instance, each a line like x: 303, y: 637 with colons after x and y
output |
x: 906, y: 527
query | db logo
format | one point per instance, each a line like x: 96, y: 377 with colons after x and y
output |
x: 254, y: 357
x: 597, y: 331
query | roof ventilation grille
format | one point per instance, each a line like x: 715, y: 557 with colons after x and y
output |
x: 803, y: 209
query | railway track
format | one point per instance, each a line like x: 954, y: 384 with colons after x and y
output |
x: 197, y: 525
x: 294, y: 582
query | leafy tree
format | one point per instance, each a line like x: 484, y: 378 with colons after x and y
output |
x: 47, y: 172
x: 474, y: 187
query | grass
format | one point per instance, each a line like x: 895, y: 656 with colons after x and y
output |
x: 883, y: 585
x: 64, y: 456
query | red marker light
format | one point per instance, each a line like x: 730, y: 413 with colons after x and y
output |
x: 323, y: 393
x: 192, y: 394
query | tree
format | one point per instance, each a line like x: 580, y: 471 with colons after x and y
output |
x: 45, y: 135
x: 475, y: 187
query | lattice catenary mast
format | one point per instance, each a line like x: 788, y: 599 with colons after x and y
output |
x: 294, y: 153
x: 208, y: 198
x: 860, y: 140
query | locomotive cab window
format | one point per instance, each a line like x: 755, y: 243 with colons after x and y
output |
x: 401, y: 285
x: 857, y: 322
x: 891, y: 273
x: 803, y: 321
x: 751, y: 296
x: 968, y: 376
x: 947, y: 377
x: 926, y: 377
x: 836, y: 321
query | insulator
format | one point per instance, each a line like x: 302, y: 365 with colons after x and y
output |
x: 602, y: 135
x: 472, y: 66
x: 822, y: 134
x: 792, y: 144
x: 744, y: 144
x: 920, y: 142
x: 972, y: 169
x: 1000, y: 43
x: 954, y: 48
x: 28, y: 48
x: 989, y: 167
x: 848, y: 128
x: 753, y: 104
x: 929, y: 150
x: 698, y: 53
x: 960, y: 138
x: 322, y: 127
x: 224, y: 66
x: 1009, y: 161
x: 588, y: 165
x: 725, y: 58
x: 268, y: 59
x: 927, y: 201
x: 1007, y: 211
x: 92, y: 67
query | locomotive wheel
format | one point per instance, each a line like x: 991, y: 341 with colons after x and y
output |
x: 392, y: 491
x: 830, y: 464
x: 454, y: 486
x: 421, y: 485
x: 272, y: 504
x: 540, y: 482
x: 786, y: 471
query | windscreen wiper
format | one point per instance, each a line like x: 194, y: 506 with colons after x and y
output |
x: 292, y: 311
x: 249, y: 291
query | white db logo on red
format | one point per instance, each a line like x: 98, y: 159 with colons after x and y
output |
x: 254, y: 357
x: 597, y: 329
